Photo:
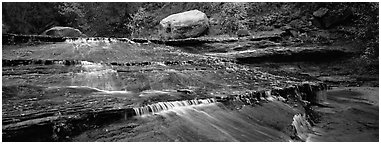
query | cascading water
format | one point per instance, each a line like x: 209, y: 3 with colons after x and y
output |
x: 162, y: 106
x: 97, y: 41
x: 257, y: 115
x: 302, y: 126
x: 96, y: 76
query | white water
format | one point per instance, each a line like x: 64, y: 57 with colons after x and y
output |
x: 212, y: 122
x: 103, y: 79
x: 93, y: 40
x: 92, y: 88
x: 97, y: 76
x: 162, y: 106
x: 302, y: 126
x: 103, y: 91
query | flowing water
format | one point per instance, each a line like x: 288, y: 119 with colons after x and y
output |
x: 96, y: 76
x: 162, y: 106
x: 164, y: 113
x: 218, y: 124
x: 151, y: 117
x: 199, y: 120
x: 187, y: 120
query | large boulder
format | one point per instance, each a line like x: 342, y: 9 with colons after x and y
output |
x: 63, y: 32
x: 187, y: 24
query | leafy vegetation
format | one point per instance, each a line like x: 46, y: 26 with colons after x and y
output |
x: 142, y: 19
x: 30, y: 18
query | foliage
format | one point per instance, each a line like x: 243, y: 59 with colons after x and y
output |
x: 142, y: 19
x: 366, y: 25
x: 108, y: 19
x: 94, y: 19
x: 233, y: 17
x: 74, y: 15
x: 29, y: 18
x: 138, y: 21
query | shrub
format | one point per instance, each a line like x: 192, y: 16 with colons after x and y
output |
x: 137, y: 22
x: 233, y: 17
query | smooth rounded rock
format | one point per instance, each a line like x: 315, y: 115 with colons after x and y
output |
x: 187, y: 24
x: 63, y: 32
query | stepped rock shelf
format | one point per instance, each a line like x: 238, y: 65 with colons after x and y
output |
x: 64, y: 86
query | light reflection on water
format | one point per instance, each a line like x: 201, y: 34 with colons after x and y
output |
x: 216, y: 123
x: 96, y: 76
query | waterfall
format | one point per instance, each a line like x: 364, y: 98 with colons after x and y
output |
x: 302, y: 126
x: 96, y: 75
x: 97, y: 40
x: 161, y: 106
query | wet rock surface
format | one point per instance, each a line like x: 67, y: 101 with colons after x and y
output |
x: 351, y: 114
x: 79, y: 88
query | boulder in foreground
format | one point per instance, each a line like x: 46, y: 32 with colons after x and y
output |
x: 187, y: 24
x: 63, y: 32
